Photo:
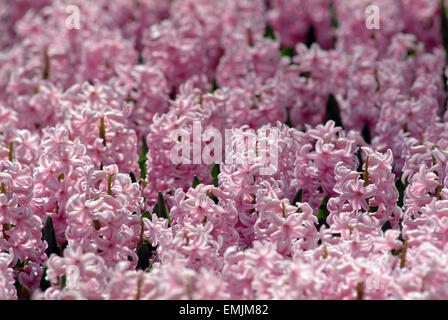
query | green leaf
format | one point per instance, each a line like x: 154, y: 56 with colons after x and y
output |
x: 196, y: 181
x: 23, y: 292
x: 146, y: 215
x: 50, y: 237
x: 131, y: 100
x: 144, y: 254
x: 332, y: 112
x: 287, y: 52
x: 63, y: 281
x: 386, y: 226
x: 20, y: 264
x: 411, y: 53
x: 297, y: 197
x: 214, y: 172
x: 288, y: 120
x: 142, y: 158
x: 214, y: 86
x: 400, y: 188
x: 365, y: 133
x: 336, y: 235
x: 161, y: 210
x: 214, y: 198
x: 374, y: 209
x: 269, y: 32
x: 311, y: 36
x: 323, y: 213
x: 359, y: 154
x: 44, y: 283
x: 140, y: 58
x: 444, y: 26
x: 334, y: 18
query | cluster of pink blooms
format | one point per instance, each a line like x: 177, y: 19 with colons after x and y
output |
x: 93, y: 207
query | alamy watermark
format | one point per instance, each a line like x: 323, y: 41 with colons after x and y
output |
x: 373, y: 281
x: 73, y: 21
x: 72, y: 278
x: 239, y: 147
x: 372, y: 17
